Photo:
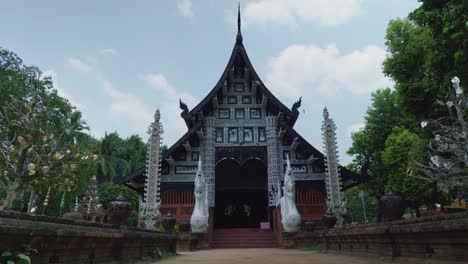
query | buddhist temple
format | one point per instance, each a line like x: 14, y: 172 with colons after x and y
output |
x: 243, y: 134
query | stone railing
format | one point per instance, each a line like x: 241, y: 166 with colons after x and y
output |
x: 68, y: 241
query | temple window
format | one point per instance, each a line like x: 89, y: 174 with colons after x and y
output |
x: 224, y: 113
x: 255, y: 113
x: 240, y: 113
x: 246, y: 99
x: 239, y: 87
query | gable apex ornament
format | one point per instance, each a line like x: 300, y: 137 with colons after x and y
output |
x: 239, y: 34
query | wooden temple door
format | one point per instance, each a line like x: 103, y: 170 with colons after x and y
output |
x: 241, y: 194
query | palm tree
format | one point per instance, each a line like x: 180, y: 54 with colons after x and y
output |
x: 110, y: 163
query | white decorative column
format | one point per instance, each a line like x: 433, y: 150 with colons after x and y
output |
x: 209, y: 159
x: 274, y: 181
x: 335, y: 202
x: 150, y: 204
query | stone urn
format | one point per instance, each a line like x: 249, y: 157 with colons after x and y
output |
x: 119, y: 210
x: 391, y: 207
x: 168, y: 222
x: 329, y: 219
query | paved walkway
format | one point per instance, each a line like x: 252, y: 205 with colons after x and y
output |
x: 264, y: 256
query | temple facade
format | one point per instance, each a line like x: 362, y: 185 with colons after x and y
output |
x: 243, y: 135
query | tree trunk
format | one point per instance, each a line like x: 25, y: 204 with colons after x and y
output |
x: 12, y: 192
x: 31, y: 201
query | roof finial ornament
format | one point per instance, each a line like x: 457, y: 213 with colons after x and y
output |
x: 239, y: 34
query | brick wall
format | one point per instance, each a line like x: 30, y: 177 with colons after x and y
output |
x: 180, y: 204
x: 438, y: 238
x: 68, y: 241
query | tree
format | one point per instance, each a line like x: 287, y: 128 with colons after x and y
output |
x: 38, y: 131
x: 369, y: 143
x: 402, y: 149
x: 448, y: 166
x: 135, y: 153
x: 110, y: 161
x: 357, y: 211
x: 426, y: 50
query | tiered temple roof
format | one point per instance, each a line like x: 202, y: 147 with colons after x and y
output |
x: 238, y: 66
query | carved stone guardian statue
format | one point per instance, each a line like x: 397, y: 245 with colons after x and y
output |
x: 290, y: 217
x: 199, y: 219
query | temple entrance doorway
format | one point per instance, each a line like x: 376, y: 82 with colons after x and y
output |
x: 241, y: 193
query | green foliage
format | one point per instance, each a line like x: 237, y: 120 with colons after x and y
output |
x: 355, y: 208
x: 39, y: 131
x: 21, y: 256
x: 317, y: 247
x: 109, y: 191
x: 110, y: 162
x: 158, y: 254
x: 402, y: 149
x: 44, y: 144
x: 291, y: 245
x: 369, y: 143
x: 86, y: 172
x: 119, y: 157
x: 164, y: 149
x: 135, y: 153
x: 426, y: 50
x: 2, y: 192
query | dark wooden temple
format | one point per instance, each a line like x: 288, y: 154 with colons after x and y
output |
x: 243, y: 134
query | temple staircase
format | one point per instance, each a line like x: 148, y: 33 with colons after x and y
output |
x: 243, y: 238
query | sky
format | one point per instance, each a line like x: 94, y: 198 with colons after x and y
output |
x: 118, y: 61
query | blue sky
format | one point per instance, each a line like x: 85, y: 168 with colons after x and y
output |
x: 118, y: 61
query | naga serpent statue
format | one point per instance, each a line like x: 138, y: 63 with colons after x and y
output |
x: 290, y: 217
x: 199, y: 219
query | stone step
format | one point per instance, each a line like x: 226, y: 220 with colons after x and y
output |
x: 243, y: 238
x: 246, y: 246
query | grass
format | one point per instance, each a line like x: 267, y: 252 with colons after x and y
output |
x: 317, y: 247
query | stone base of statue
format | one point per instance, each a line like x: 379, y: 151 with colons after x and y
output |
x: 199, y: 241
x: 290, y: 219
x: 199, y: 224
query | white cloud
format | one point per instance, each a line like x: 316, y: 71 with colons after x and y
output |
x: 299, y: 69
x: 355, y: 128
x: 82, y: 65
x: 329, y: 13
x: 62, y: 92
x: 185, y: 8
x: 169, y: 104
x: 94, y: 133
x: 108, y: 52
x: 160, y: 83
x: 127, y: 107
